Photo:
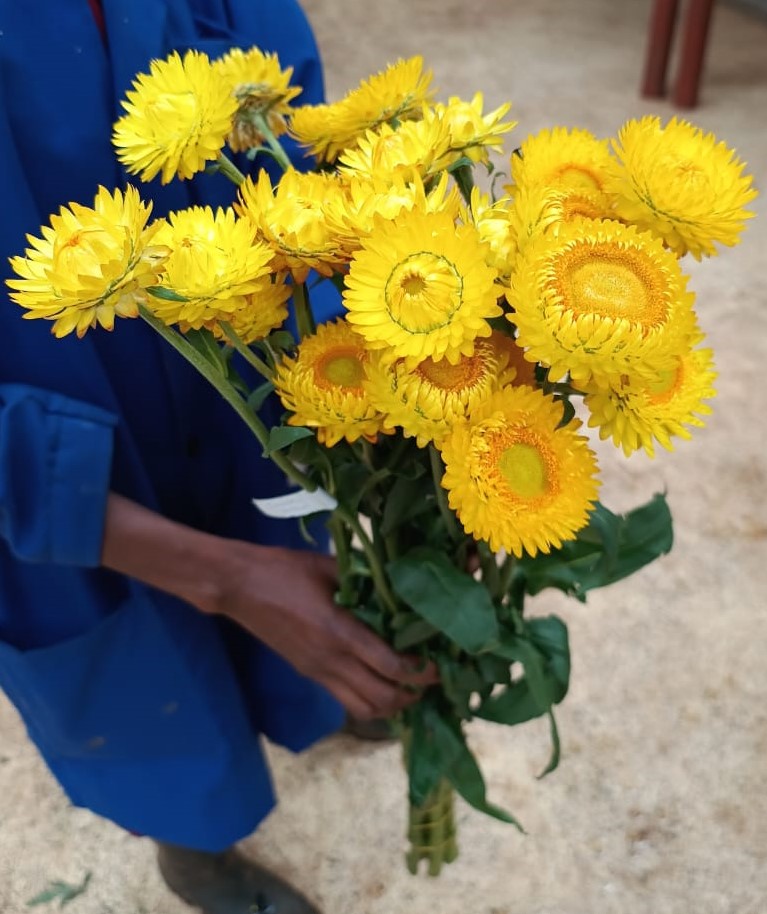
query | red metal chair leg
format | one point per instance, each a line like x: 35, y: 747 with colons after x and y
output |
x: 694, y: 38
x: 661, y: 32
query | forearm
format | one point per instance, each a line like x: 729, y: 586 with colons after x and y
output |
x: 188, y: 563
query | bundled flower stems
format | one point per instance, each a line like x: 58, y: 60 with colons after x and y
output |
x: 437, y: 421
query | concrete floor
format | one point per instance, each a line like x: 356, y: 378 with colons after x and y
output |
x: 660, y: 804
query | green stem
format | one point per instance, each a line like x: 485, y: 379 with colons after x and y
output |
x: 229, y: 169
x: 437, y: 471
x: 304, y: 316
x: 245, y: 351
x: 376, y: 566
x: 177, y: 341
x: 272, y: 142
x: 340, y: 537
x: 490, y: 572
x: 506, y: 574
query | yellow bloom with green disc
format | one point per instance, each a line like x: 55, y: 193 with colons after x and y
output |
x: 214, y: 264
x: 324, y: 385
x: 177, y: 118
x: 514, y: 478
x: 414, y: 149
x: 397, y: 93
x: 601, y: 299
x: 473, y: 133
x: 91, y: 264
x: 420, y: 288
x: 681, y: 184
x: 261, y: 87
x: 351, y: 217
x: 290, y: 218
x: 427, y: 399
x: 563, y: 159
x: 637, y: 414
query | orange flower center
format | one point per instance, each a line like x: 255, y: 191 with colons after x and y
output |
x: 467, y: 373
x: 608, y: 281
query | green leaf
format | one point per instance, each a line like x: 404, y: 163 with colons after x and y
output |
x: 404, y: 502
x: 414, y: 632
x: 448, y: 598
x: 515, y: 705
x: 610, y: 548
x: 537, y: 676
x: 282, y: 436
x: 259, y: 396
x: 281, y: 340
x: 350, y: 484
x: 427, y: 761
x: 549, y: 635
x: 555, y: 747
x: 209, y: 348
x: 165, y: 294
x: 462, y: 769
x: 63, y: 892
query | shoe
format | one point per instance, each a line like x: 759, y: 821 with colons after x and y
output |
x: 227, y: 883
x: 377, y: 731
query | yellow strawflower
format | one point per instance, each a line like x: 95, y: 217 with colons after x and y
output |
x: 471, y: 132
x: 681, y: 184
x: 177, y: 118
x: 563, y: 159
x: 214, y: 263
x: 601, y: 298
x: 90, y: 265
x: 352, y: 215
x: 537, y: 209
x: 264, y: 310
x: 636, y: 414
x: 261, y: 86
x: 419, y: 287
x: 495, y: 228
x: 290, y: 218
x: 324, y: 385
x: 427, y: 399
x: 395, y: 94
x: 514, y: 478
x: 414, y: 149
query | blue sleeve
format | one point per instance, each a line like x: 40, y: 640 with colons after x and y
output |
x: 55, y: 466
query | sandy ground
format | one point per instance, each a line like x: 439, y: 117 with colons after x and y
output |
x: 659, y: 806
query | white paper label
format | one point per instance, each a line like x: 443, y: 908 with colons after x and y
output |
x: 296, y: 504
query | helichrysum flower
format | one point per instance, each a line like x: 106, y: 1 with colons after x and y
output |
x: 538, y: 208
x: 261, y: 87
x: 602, y: 299
x: 262, y: 311
x: 472, y: 133
x: 395, y: 94
x: 562, y: 158
x: 514, y: 478
x: 426, y: 400
x: 214, y: 263
x: 636, y: 414
x: 323, y: 386
x: 90, y: 265
x: 681, y: 184
x: 177, y: 118
x: 517, y: 369
x: 352, y: 216
x: 290, y: 218
x: 414, y: 149
x: 419, y: 287
x: 495, y: 228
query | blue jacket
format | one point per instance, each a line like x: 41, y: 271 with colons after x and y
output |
x: 146, y: 711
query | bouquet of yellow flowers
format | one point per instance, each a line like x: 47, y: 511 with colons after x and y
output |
x: 435, y: 424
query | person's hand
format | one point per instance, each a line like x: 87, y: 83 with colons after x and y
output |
x: 282, y: 596
x: 285, y: 598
